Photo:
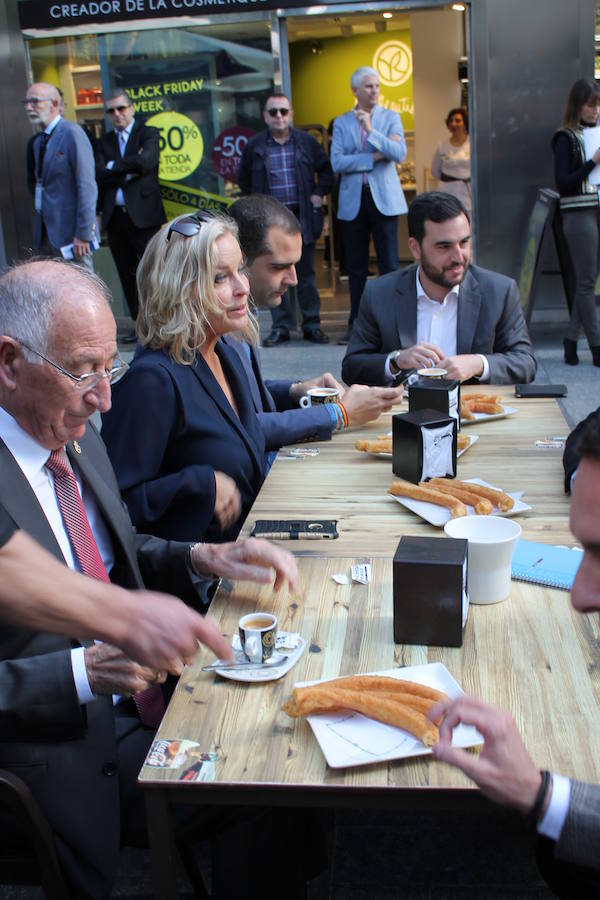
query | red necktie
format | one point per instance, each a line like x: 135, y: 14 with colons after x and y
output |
x: 150, y: 703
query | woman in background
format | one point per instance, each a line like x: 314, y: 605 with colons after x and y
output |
x: 183, y: 434
x: 452, y: 160
x: 579, y: 212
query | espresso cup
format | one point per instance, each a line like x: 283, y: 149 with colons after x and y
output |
x: 257, y: 633
x: 434, y: 372
x: 315, y: 396
x: 492, y: 541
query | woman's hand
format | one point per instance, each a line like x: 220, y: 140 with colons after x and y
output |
x: 228, y: 503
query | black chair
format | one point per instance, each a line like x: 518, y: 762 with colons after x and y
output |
x: 27, y: 849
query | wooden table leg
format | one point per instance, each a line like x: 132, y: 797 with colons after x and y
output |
x: 162, y: 845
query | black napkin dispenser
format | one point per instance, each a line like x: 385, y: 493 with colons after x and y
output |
x: 442, y: 394
x: 424, y: 445
x: 431, y: 602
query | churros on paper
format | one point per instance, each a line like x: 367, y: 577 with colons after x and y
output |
x: 500, y: 499
x: 480, y: 504
x: 395, y: 702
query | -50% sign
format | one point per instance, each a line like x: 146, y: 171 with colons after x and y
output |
x: 227, y: 150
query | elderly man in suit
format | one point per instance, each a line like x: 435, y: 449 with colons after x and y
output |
x: 367, y: 143
x: 566, y: 813
x: 442, y: 311
x: 127, y: 174
x: 79, y: 753
x: 61, y: 179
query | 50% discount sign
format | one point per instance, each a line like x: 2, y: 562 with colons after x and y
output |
x: 181, y: 145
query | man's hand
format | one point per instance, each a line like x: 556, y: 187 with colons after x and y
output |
x: 463, y: 367
x: 503, y: 770
x: 155, y: 629
x: 419, y: 356
x: 316, y: 200
x: 364, y: 119
x: 253, y: 559
x: 299, y: 388
x: 80, y: 248
x: 109, y: 671
x: 365, y: 403
x: 228, y: 503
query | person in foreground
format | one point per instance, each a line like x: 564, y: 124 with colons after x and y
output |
x: 271, y: 241
x: 443, y: 311
x: 36, y: 591
x: 566, y: 813
x: 79, y: 753
x: 183, y: 434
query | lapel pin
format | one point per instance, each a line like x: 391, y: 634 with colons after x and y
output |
x: 76, y: 447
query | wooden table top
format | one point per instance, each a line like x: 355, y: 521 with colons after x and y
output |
x: 531, y: 654
x: 342, y: 483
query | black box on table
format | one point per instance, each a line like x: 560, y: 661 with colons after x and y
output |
x: 436, y: 393
x: 431, y: 602
x: 424, y: 445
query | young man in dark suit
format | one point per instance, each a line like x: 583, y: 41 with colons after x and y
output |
x: 129, y: 194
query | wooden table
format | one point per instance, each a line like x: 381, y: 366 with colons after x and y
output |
x: 531, y: 654
x: 342, y: 483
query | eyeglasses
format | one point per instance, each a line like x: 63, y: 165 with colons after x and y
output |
x: 277, y: 110
x: 189, y: 225
x: 35, y: 101
x: 89, y: 380
x: 111, y: 110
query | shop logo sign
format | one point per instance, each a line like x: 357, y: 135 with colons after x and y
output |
x: 393, y: 63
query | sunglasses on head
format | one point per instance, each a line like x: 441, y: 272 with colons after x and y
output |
x: 111, y: 110
x: 189, y: 225
x: 275, y: 110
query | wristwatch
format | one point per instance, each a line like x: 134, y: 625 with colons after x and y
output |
x: 394, y: 367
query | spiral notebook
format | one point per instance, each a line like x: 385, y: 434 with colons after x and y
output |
x: 545, y: 564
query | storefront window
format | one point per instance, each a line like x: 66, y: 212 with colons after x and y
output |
x: 202, y: 87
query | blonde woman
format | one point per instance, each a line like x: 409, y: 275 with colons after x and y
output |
x: 183, y: 434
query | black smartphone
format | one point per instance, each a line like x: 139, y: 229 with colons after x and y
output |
x: 540, y: 390
x: 295, y: 529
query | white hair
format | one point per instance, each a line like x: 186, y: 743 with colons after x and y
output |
x: 357, y: 77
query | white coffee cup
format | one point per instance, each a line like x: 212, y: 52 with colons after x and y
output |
x: 257, y: 632
x: 318, y: 395
x: 492, y: 541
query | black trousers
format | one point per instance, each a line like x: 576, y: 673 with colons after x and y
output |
x: 127, y: 243
x: 566, y: 879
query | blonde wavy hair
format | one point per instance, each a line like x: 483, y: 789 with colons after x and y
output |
x: 175, y: 281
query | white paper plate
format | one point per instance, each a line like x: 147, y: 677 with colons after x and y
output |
x: 349, y: 739
x: 439, y: 515
x: 472, y: 439
x: 265, y: 674
x: 489, y: 417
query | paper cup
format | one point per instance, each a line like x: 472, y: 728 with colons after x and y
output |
x: 492, y: 541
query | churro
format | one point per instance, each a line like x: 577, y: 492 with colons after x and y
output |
x: 383, y: 683
x: 428, y: 495
x: 481, y: 505
x: 380, y: 445
x: 323, y: 698
x: 462, y: 441
x: 500, y: 499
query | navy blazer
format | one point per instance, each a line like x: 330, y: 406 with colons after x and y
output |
x: 282, y: 420
x: 170, y: 428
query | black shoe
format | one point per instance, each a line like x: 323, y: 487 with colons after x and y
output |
x: 317, y: 336
x: 345, y: 338
x: 571, y: 357
x: 595, y: 356
x: 276, y: 337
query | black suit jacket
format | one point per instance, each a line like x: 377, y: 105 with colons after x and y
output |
x: 64, y: 751
x: 490, y: 322
x: 141, y: 191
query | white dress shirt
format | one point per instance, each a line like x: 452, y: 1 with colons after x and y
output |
x: 31, y: 458
x: 122, y: 138
x: 436, y: 324
x: 554, y: 818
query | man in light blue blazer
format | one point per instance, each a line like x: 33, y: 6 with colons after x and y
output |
x: 62, y: 179
x: 367, y: 143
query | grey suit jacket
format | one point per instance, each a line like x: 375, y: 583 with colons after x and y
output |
x: 490, y: 322
x: 69, y: 186
x: 580, y: 836
x: 64, y: 751
x: 281, y: 420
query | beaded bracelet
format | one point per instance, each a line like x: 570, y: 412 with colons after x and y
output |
x: 540, y: 800
x: 339, y: 415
